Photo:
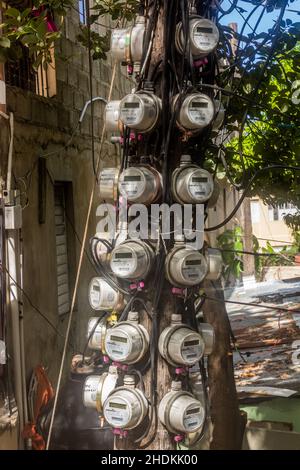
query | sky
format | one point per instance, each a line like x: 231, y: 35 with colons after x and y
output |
x: 268, y: 18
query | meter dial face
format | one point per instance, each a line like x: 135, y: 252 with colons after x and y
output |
x: 192, y: 348
x: 193, y: 268
x: 124, y: 261
x: 193, y: 417
x: 131, y: 110
x: 117, y: 411
x: 204, y: 35
x: 132, y: 183
x: 117, y: 344
x: 200, y: 185
x: 201, y: 110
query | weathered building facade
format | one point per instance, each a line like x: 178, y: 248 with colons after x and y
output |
x: 53, y: 169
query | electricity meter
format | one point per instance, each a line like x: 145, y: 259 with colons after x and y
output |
x: 97, y: 388
x: 219, y: 116
x: 215, y: 264
x: 132, y: 259
x: 140, y: 184
x: 126, y: 407
x: 185, y: 266
x: 204, y: 36
x: 112, y: 116
x: 179, y: 344
x: 108, y: 184
x: 127, y: 341
x: 208, y: 335
x: 180, y: 412
x: 99, y: 329
x: 103, y: 297
x: 140, y: 111
x: 127, y: 43
x: 195, y: 112
x: 190, y: 183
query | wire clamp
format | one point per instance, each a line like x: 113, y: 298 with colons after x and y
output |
x: 119, y: 432
x: 120, y: 366
x: 137, y: 286
x: 200, y: 62
x: 179, y: 438
x: 181, y: 370
x: 105, y: 359
x: 178, y: 291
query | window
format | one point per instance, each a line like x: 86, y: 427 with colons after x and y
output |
x: 82, y: 11
x: 64, y: 242
x: 21, y: 74
x: 255, y: 212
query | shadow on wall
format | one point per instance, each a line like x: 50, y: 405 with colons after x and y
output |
x: 75, y: 426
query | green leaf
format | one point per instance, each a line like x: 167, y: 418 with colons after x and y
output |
x: 4, y: 42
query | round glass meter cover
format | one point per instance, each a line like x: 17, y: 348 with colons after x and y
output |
x: 117, y: 345
x: 201, y: 110
x: 132, y: 183
x: 117, y: 412
x: 205, y: 35
x: 193, y: 267
x: 124, y: 262
x: 193, y: 418
x: 191, y: 349
x: 200, y: 185
x: 131, y: 110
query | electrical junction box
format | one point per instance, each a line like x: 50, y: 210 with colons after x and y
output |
x: 13, y: 217
x: 126, y: 407
x: 180, y: 412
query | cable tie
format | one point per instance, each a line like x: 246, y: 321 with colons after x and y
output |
x: 178, y: 291
x: 179, y: 438
x: 181, y: 370
x: 129, y: 69
x: 105, y: 359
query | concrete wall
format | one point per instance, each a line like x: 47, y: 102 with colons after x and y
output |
x: 42, y: 126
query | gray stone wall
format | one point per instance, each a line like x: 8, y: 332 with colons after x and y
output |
x: 43, y: 126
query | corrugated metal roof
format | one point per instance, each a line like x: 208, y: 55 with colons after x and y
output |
x: 266, y: 340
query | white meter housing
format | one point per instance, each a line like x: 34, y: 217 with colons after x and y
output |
x: 180, y: 412
x: 215, y: 264
x: 204, y: 36
x: 190, y: 183
x: 179, y: 344
x: 97, y: 388
x: 132, y: 260
x: 112, y: 116
x: 140, y: 111
x: 208, y: 335
x: 97, y: 339
x: 127, y: 43
x: 126, y: 407
x: 185, y: 266
x: 108, y: 184
x: 196, y: 112
x: 140, y: 184
x: 103, y: 297
x: 127, y: 341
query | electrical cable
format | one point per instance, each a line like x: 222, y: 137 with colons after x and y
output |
x: 89, y: 210
x: 238, y: 205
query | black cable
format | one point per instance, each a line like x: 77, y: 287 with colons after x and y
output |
x: 34, y: 306
x: 236, y: 208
